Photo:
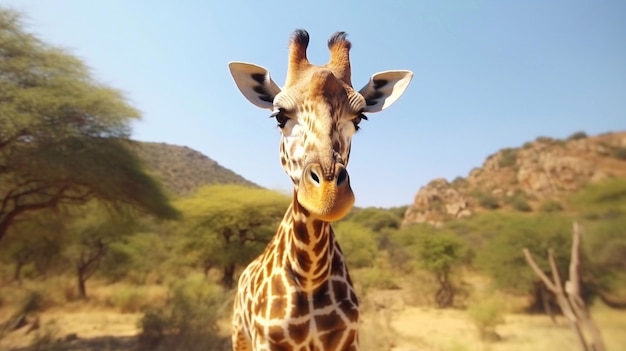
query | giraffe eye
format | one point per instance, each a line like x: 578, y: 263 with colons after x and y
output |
x: 357, y: 120
x: 280, y: 116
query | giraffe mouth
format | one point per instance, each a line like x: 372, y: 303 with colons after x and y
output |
x: 327, y: 196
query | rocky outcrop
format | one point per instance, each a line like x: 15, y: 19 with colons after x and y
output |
x: 437, y: 201
x: 522, y: 178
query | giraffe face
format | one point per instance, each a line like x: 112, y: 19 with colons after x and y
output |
x: 317, y: 119
x: 318, y: 112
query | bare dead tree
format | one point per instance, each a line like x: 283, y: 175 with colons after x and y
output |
x: 568, y: 295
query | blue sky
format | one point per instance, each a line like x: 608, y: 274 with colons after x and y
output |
x: 487, y: 75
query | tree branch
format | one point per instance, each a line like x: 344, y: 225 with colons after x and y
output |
x: 555, y: 272
x: 538, y: 271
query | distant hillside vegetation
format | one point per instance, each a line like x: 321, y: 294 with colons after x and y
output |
x: 535, y: 177
x: 182, y: 170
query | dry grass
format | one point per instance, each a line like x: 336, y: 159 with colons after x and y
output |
x: 442, y: 330
x: 390, y: 322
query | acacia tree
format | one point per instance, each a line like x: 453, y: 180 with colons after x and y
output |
x: 228, y: 225
x: 62, y: 134
x: 36, y: 244
x: 436, y: 250
x: 91, y: 233
x: 440, y: 254
x: 501, y: 257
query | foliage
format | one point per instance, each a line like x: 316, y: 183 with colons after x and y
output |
x: 92, y: 234
x: 358, y: 244
x: 404, y: 247
x: 620, y: 153
x: 608, y: 243
x: 118, y: 259
x: 544, y: 139
x: 550, y: 206
x: 228, y: 225
x: 508, y: 157
x: 32, y: 302
x: 604, y: 235
x: 486, y: 201
x: 188, y: 321
x: 376, y: 219
x: 61, y: 133
x: 374, y: 278
x: 518, y: 202
x: 438, y: 251
x: 502, y: 258
x: 34, y: 242
x: 129, y: 299
x: 487, y: 314
x: 459, y: 182
x: 126, y: 259
x: 577, y: 136
x: 601, y: 200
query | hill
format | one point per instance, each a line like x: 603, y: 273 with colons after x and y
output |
x: 182, y: 170
x: 534, y: 177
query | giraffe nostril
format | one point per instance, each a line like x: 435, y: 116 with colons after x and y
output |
x: 342, y: 176
x: 314, y: 177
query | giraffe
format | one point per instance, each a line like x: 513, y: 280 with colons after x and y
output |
x: 298, y: 295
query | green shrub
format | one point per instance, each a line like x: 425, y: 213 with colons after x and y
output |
x: 459, y: 182
x: 129, y: 299
x: 188, y: 321
x: 380, y: 276
x: 505, y: 235
x: 118, y: 262
x: 508, y: 157
x: 487, y: 201
x: 486, y: 315
x: 601, y: 198
x: 518, y: 202
x: 550, y: 206
x: 358, y: 244
x: 620, y: 153
x: 436, y: 204
x: 544, y: 139
x: 33, y: 302
x: 577, y: 136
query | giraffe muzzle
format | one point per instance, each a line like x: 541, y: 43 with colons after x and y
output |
x: 327, y: 195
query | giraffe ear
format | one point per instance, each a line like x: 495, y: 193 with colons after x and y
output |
x: 255, y: 83
x: 384, y: 88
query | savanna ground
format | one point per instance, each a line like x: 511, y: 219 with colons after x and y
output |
x: 396, y: 319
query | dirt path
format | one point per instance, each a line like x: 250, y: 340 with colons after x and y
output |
x: 97, y: 326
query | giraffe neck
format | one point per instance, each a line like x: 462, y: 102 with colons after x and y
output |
x: 309, y: 248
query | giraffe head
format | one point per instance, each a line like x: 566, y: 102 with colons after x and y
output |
x: 318, y: 112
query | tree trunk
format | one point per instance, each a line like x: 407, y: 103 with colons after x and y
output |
x: 206, y: 267
x: 568, y: 296
x: 82, y: 288
x: 547, y: 306
x: 444, y: 297
x: 86, y: 266
x: 17, y: 273
x: 228, y: 280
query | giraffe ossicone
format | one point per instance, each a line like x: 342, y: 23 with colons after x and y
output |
x: 298, y: 295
